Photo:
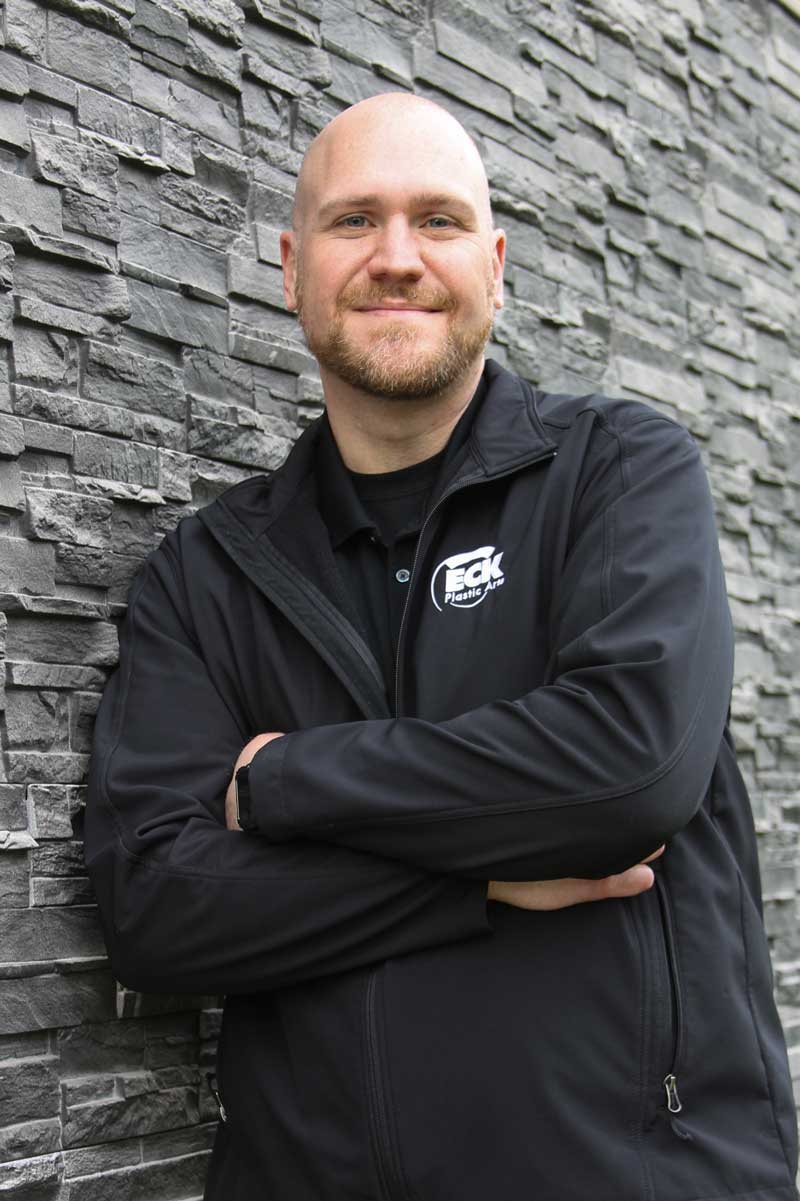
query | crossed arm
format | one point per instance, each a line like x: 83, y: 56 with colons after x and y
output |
x: 522, y: 894
x: 381, y: 838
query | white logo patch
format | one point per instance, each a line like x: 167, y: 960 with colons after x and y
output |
x: 464, y: 580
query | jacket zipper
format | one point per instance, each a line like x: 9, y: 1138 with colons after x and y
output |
x: 670, y: 1082
x: 466, y: 482
x: 213, y: 1088
x: 390, y: 1178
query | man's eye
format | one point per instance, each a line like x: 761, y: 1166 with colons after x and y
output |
x: 354, y: 221
x: 440, y: 222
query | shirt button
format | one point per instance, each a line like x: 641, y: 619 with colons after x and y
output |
x: 402, y: 576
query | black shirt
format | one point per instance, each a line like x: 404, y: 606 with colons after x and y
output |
x: 374, y: 522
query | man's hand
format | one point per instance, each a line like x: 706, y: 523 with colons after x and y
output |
x: 558, y: 894
x: 245, y: 755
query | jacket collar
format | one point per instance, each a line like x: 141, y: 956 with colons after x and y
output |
x: 507, y: 433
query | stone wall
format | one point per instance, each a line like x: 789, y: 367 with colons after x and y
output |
x: 644, y: 157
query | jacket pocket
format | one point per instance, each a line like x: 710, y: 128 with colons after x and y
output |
x: 386, y: 1156
x: 674, y: 1060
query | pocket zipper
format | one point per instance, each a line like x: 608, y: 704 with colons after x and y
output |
x: 389, y: 1172
x: 211, y: 1080
x: 670, y: 1081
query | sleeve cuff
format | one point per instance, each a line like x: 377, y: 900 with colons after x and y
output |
x: 267, y: 797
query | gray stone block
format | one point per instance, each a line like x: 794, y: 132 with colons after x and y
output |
x: 179, y: 1177
x: 83, y: 710
x: 177, y: 318
x: 52, y: 86
x: 222, y: 18
x: 14, y: 876
x: 6, y: 265
x: 113, y: 459
x: 101, y: 1047
x: 75, y: 164
x: 179, y: 258
x: 90, y: 215
x: 92, y: 643
x: 29, y: 1088
x: 346, y: 33
x: 160, y: 29
x: 33, y: 720
x: 41, y: 435
x: 30, y: 1138
x: 12, y: 438
x: 54, y: 1000
x: 246, y: 278
x: 88, y: 54
x: 12, y: 494
x: 13, y: 809
x: 186, y: 106
x: 90, y: 12
x: 59, y: 859
x: 303, y: 23
x: 218, y: 376
x: 71, y: 287
x: 27, y: 567
x: 236, y: 443
x: 68, y: 516
x: 32, y: 935
x: 176, y: 147
x: 82, y: 565
x: 13, y: 76
x: 91, y: 1161
x: 36, y: 1178
x: 48, y: 891
x: 45, y: 357
x: 115, y: 376
x: 205, y: 56
x: 500, y: 68
x: 100, y: 1121
x: 125, y: 123
x: 271, y: 78
x: 54, y: 805
x: 72, y: 320
x: 26, y: 28
x: 22, y: 201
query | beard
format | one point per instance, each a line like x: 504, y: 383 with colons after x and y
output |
x: 393, y: 366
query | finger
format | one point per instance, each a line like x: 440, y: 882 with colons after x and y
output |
x: 655, y: 854
x: 631, y: 882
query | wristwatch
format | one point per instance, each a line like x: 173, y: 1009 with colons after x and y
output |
x: 243, y: 812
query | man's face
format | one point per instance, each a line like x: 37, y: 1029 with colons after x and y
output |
x: 395, y: 270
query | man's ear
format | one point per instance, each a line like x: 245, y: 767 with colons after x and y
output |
x: 498, y: 264
x: 289, y: 263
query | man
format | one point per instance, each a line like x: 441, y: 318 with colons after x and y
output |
x: 462, y: 662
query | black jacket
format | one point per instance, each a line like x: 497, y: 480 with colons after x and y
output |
x: 560, y: 708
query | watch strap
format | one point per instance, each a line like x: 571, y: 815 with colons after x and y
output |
x: 244, y: 814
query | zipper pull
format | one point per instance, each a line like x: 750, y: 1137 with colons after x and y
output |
x: 671, y: 1087
x: 212, y: 1080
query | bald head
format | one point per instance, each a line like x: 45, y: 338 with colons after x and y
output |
x: 383, y: 137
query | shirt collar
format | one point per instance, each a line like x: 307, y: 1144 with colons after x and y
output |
x: 339, y: 503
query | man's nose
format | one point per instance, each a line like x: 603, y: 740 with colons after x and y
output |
x: 396, y: 253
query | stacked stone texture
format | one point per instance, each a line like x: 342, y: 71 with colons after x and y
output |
x: 644, y: 158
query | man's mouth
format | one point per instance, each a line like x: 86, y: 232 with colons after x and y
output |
x: 395, y: 309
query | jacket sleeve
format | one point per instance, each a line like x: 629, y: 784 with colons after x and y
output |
x: 189, y: 906
x: 588, y: 773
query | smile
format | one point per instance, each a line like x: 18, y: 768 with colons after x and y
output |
x: 388, y: 310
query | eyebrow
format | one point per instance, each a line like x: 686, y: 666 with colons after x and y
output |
x: 422, y: 200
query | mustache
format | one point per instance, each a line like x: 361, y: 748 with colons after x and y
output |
x: 428, y: 298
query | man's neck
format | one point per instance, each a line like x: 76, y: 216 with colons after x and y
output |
x: 377, y: 435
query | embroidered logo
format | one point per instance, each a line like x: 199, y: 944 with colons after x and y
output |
x: 464, y: 580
